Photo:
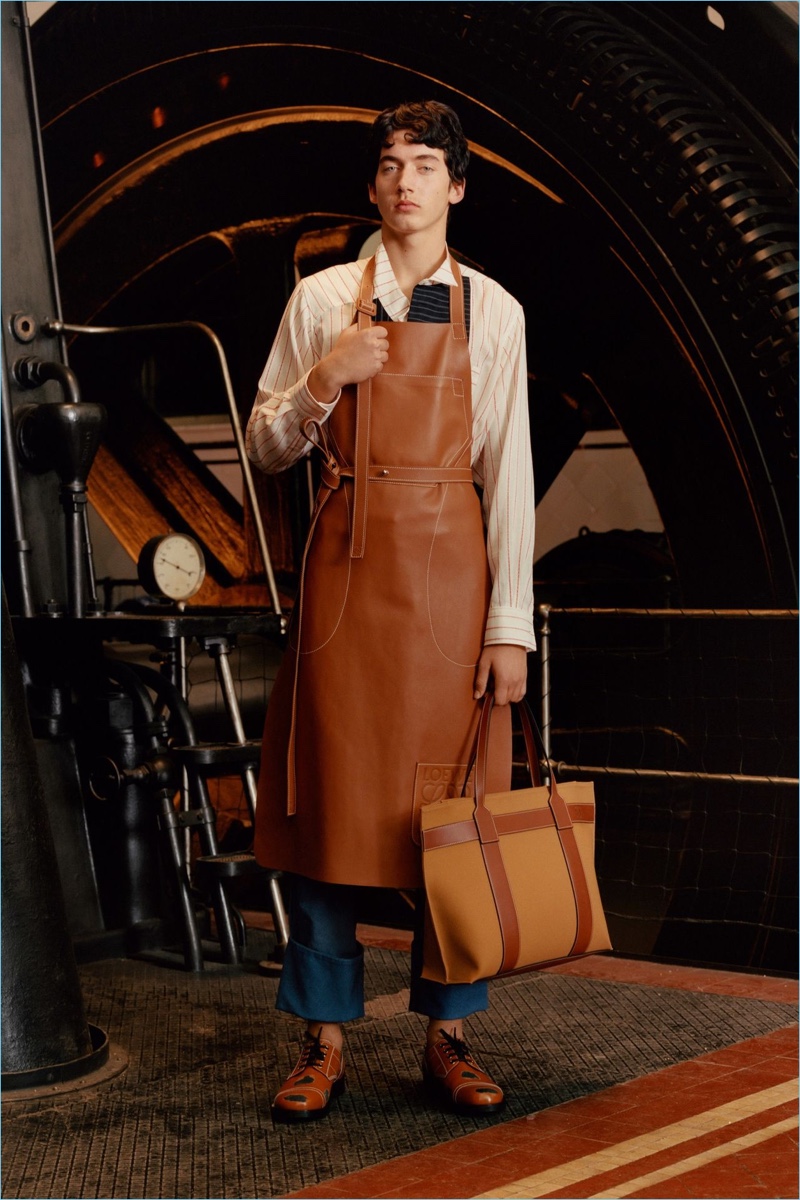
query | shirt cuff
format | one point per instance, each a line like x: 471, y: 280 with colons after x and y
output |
x: 308, y: 406
x: 511, y: 627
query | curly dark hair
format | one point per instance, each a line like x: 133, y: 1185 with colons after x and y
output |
x: 429, y: 123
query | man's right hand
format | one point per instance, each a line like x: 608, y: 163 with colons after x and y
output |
x: 358, y: 355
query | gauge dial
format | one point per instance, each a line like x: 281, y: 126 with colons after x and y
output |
x: 172, y: 565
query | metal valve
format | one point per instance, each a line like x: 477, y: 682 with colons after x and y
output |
x: 107, y: 780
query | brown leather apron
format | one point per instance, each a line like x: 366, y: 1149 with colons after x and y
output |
x: 372, y: 713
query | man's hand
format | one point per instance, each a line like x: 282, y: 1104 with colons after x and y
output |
x: 508, y: 668
x: 358, y: 355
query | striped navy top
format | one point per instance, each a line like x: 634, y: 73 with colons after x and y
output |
x: 430, y: 302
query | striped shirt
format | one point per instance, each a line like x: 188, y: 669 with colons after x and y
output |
x: 430, y: 302
x: 320, y: 309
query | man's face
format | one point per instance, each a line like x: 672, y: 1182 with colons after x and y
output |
x: 413, y: 189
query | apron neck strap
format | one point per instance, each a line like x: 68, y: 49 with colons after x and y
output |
x: 457, y: 318
x: 365, y: 305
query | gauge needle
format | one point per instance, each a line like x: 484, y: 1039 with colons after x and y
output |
x: 177, y: 566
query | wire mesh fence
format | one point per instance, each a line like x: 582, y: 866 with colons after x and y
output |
x: 687, y: 722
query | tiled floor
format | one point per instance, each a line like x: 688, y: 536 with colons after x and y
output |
x: 722, y: 1125
x: 635, y: 1080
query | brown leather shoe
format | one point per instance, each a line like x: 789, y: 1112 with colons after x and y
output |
x: 313, y: 1084
x: 450, y: 1071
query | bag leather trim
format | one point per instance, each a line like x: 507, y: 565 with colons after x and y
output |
x: 487, y: 829
x: 506, y: 823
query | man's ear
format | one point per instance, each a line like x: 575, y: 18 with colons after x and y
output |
x: 373, y: 196
x: 457, y: 191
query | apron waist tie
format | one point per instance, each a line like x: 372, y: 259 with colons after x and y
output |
x: 332, y: 474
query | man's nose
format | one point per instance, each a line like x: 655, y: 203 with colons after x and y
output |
x: 405, y: 180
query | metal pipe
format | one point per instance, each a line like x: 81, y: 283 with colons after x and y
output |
x: 59, y: 327
x: 278, y: 911
x: 33, y: 372
x: 22, y: 546
x: 219, y: 653
x: 654, y: 773
x: 88, y: 553
x: 44, y: 195
x: 72, y: 503
x: 169, y: 823
x: 782, y: 614
x: 183, y: 688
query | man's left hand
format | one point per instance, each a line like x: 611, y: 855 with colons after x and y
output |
x: 507, y: 666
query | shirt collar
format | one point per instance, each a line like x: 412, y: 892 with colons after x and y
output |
x: 388, y: 291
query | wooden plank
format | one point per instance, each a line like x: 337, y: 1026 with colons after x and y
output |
x: 178, y: 485
x: 134, y: 519
x: 124, y: 507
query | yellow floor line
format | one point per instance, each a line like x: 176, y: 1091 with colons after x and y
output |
x: 611, y: 1158
x: 634, y: 1186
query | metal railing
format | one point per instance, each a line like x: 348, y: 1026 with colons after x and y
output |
x: 55, y: 327
x: 546, y: 612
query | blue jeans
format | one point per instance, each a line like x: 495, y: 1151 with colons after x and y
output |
x: 323, y: 969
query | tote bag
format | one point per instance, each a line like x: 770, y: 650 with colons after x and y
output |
x: 510, y: 882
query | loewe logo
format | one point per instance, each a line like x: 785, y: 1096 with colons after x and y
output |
x: 435, y: 782
x: 439, y: 781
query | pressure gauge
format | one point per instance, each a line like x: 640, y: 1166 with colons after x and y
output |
x: 171, y: 565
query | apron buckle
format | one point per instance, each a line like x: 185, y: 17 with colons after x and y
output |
x: 330, y: 473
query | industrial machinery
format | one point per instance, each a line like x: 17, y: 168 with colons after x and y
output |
x: 633, y: 183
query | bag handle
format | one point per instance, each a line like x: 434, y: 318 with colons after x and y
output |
x: 489, y: 838
x: 534, y: 746
x: 534, y: 743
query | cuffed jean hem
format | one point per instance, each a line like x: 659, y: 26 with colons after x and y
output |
x: 320, y: 987
x: 449, y: 1002
x: 441, y: 1001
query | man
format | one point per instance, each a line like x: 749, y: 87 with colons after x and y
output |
x: 409, y: 375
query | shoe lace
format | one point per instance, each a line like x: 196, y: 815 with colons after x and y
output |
x: 456, y: 1049
x: 312, y: 1054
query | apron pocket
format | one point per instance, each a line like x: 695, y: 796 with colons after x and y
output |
x: 326, y: 576
x: 458, y: 577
